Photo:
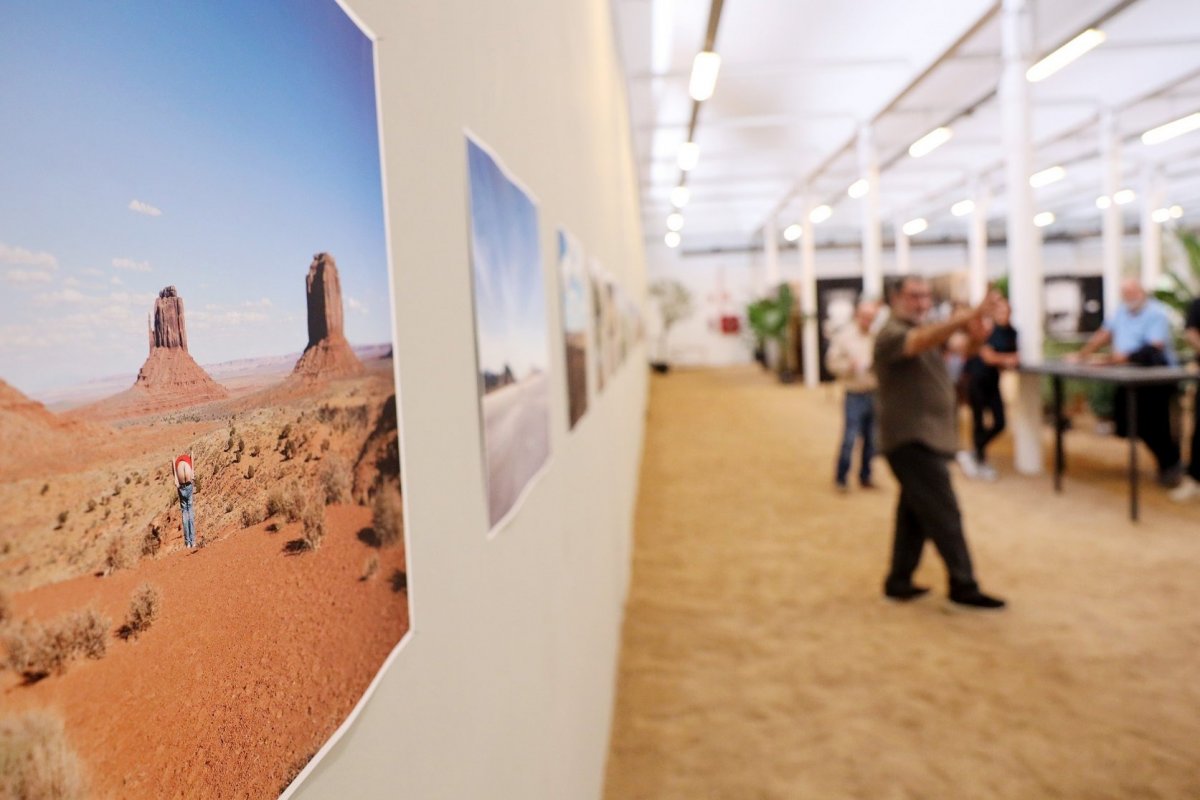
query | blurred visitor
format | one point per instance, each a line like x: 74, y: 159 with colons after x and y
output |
x: 850, y: 357
x: 918, y: 435
x: 982, y: 372
x: 1190, y: 485
x: 1140, y: 335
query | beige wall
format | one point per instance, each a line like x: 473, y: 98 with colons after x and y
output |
x: 505, y: 688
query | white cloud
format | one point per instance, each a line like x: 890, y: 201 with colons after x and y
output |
x: 116, y: 280
x: 213, y: 317
x: 72, y: 282
x: 25, y: 276
x: 264, y: 303
x: 144, y: 208
x: 22, y: 257
x: 92, y: 272
x: 131, y: 265
x: 355, y: 306
x: 68, y: 295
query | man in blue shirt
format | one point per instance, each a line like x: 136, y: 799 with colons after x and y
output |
x: 1140, y: 334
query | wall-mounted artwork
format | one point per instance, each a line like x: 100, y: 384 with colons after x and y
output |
x: 573, y: 289
x: 512, y: 338
x: 202, y: 542
x: 597, y: 284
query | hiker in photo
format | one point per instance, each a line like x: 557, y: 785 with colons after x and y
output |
x: 184, y: 475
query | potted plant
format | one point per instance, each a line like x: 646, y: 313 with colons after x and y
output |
x: 769, y: 319
x: 674, y: 304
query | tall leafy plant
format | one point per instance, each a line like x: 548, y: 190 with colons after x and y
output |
x: 1180, y: 282
x: 674, y: 305
x: 769, y: 319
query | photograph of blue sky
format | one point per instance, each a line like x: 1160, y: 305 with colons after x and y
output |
x: 510, y: 300
x: 212, y: 146
x: 573, y: 274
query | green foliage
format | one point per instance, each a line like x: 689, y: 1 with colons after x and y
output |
x: 674, y: 301
x: 769, y: 316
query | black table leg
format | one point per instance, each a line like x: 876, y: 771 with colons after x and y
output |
x: 1059, y: 460
x: 1131, y: 412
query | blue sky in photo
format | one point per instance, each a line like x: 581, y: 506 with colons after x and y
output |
x: 214, y: 146
x: 510, y: 300
x: 573, y: 274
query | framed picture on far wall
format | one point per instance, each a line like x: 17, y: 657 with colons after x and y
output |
x: 573, y: 290
x: 511, y: 332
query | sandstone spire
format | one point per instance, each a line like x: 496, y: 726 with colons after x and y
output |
x: 328, y: 354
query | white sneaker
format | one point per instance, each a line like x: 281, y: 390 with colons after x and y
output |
x: 966, y: 462
x: 1186, y: 490
x: 987, y: 472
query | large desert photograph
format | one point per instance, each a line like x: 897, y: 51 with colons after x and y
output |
x: 512, y: 337
x: 202, y: 541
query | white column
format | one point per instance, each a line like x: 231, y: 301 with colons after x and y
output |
x: 1151, y: 234
x: 771, y: 247
x: 977, y: 243
x: 1024, y: 254
x: 872, y: 228
x: 903, y: 258
x: 808, y: 299
x: 1112, y: 219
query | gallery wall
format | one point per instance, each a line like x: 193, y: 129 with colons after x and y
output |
x: 505, y: 688
x: 727, y: 282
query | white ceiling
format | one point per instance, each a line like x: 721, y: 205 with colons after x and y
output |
x: 798, y: 78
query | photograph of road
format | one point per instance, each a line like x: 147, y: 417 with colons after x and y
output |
x: 512, y: 338
x: 573, y: 288
x: 202, y: 540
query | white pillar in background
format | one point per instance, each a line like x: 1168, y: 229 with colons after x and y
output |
x: 977, y: 244
x: 1151, y: 233
x: 808, y: 299
x: 903, y: 256
x: 1112, y: 218
x: 1024, y: 252
x: 872, y: 228
x: 771, y: 247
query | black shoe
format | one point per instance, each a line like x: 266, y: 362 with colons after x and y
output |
x: 974, y: 599
x: 1171, y: 478
x: 904, y: 592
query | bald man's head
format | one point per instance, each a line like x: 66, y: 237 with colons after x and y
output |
x: 1133, y: 294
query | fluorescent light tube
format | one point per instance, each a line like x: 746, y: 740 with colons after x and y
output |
x: 930, y: 142
x: 1172, y: 129
x: 859, y: 188
x: 1047, y: 177
x: 962, y: 208
x: 793, y: 232
x: 820, y: 214
x: 1124, y: 197
x: 1081, y: 44
x: 1043, y: 219
x: 915, y: 226
x: 705, y: 67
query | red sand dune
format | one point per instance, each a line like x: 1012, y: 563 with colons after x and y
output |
x: 255, y: 660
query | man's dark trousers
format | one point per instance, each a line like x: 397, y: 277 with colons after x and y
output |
x: 927, y: 509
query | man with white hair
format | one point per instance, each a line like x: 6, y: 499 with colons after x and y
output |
x: 1140, y: 334
x: 850, y: 357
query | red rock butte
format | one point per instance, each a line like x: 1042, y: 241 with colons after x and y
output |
x: 170, y: 378
x: 328, y: 354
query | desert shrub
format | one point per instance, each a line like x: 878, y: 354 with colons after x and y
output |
x: 196, y: 480
x: 91, y: 506
x: 314, y: 523
x: 325, y: 445
x: 241, y: 445
x: 62, y: 518
x: 45, y: 488
x: 387, y: 516
x: 116, y: 490
x: 5, y: 608
x: 287, y: 501
x: 116, y: 555
x: 336, y: 480
x: 143, y: 610
x: 152, y: 541
x: 254, y: 451
x: 252, y: 515
x: 36, y: 760
x: 128, y: 480
x: 36, y: 649
x: 370, y: 569
x: 289, y: 450
x: 249, y: 472
x: 286, y: 432
x: 229, y: 508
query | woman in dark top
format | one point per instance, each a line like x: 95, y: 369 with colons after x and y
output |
x: 983, y: 390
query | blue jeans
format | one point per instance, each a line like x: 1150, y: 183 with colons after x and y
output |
x: 189, y: 526
x: 860, y: 422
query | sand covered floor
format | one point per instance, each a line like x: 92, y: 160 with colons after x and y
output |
x: 760, y: 661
